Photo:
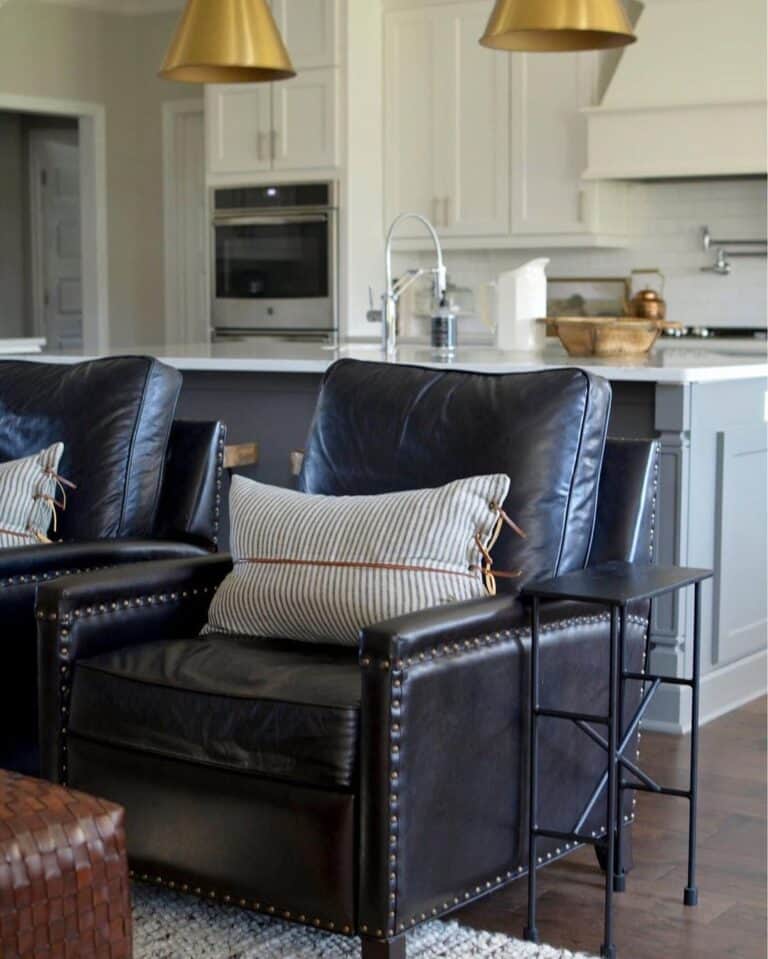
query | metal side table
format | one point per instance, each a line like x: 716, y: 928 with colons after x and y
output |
x: 615, y: 585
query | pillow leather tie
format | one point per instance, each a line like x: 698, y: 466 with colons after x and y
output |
x: 485, y: 568
x: 52, y: 503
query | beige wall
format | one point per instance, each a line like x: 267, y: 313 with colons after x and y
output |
x: 71, y: 53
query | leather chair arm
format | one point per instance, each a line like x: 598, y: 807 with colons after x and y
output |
x: 24, y: 565
x: 625, y: 524
x: 444, y: 748
x: 410, y: 635
x: 415, y: 634
x: 82, y: 616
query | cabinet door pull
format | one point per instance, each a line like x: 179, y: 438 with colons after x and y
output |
x: 446, y: 211
x: 260, y: 146
x: 436, y: 210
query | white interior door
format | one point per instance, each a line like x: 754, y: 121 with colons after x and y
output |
x: 56, y: 238
x: 187, y: 309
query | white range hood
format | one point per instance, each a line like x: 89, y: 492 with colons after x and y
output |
x: 689, y: 98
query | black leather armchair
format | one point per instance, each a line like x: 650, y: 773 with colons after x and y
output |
x: 148, y: 488
x: 360, y: 791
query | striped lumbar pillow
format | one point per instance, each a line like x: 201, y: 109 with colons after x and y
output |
x: 28, y: 496
x: 320, y: 568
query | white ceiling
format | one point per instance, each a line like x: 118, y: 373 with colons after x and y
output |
x: 125, y: 7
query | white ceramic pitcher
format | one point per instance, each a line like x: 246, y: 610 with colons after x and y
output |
x: 521, y: 300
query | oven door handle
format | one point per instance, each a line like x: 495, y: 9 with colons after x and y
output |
x: 271, y: 220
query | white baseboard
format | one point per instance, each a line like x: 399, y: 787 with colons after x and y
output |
x: 722, y: 691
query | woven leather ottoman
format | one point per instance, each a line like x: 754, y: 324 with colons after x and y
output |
x: 64, y: 891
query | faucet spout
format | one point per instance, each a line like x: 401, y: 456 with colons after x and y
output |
x: 389, y: 313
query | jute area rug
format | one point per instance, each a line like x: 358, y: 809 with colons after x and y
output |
x: 168, y: 925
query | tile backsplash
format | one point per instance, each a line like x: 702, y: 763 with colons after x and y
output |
x: 665, y: 224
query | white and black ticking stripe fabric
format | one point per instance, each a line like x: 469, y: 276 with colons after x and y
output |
x: 27, y: 497
x: 320, y: 568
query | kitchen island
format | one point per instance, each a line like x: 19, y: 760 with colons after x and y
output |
x: 707, y: 405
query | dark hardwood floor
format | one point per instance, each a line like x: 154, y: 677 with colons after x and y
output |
x: 651, y: 921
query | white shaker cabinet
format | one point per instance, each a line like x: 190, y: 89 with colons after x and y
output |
x: 238, y: 119
x: 549, y: 144
x: 304, y: 121
x: 290, y: 125
x: 473, y: 122
x: 489, y: 145
x: 549, y: 151
x: 411, y: 121
x: 309, y: 31
x: 446, y: 121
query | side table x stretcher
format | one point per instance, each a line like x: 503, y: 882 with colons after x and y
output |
x: 615, y: 585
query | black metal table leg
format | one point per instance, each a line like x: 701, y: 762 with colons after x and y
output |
x: 691, y: 895
x: 530, y: 932
x: 608, y: 949
x: 619, y: 876
x: 615, y: 585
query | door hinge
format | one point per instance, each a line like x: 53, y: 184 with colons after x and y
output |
x: 43, y: 178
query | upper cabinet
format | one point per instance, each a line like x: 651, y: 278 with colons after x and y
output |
x: 309, y: 29
x: 238, y: 119
x: 292, y: 125
x: 446, y: 121
x: 490, y: 146
x: 549, y: 148
x: 304, y: 120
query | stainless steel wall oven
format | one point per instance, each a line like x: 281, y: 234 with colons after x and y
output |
x: 275, y: 261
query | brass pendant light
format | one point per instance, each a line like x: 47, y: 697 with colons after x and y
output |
x: 227, y: 41
x: 557, y: 26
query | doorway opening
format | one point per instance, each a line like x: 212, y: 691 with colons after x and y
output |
x: 40, y: 239
x: 53, y: 223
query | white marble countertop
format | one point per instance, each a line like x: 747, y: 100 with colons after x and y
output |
x: 669, y: 362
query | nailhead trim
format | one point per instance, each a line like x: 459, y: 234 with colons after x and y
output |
x: 654, y: 500
x: 25, y: 580
x: 216, y: 512
x: 65, y: 622
x: 489, y: 640
x: 396, y: 696
x: 229, y: 899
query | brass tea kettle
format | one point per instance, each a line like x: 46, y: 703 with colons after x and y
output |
x: 648, y: 303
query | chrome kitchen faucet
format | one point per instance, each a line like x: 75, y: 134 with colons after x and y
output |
x: 387, y: 316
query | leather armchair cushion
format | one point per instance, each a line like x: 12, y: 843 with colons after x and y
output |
x: 380, y: 428
x: 22, y: 570
x: 279, y: 709
x: 114, y: 417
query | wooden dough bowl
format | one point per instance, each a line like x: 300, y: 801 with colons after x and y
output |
x: 608, y: 335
